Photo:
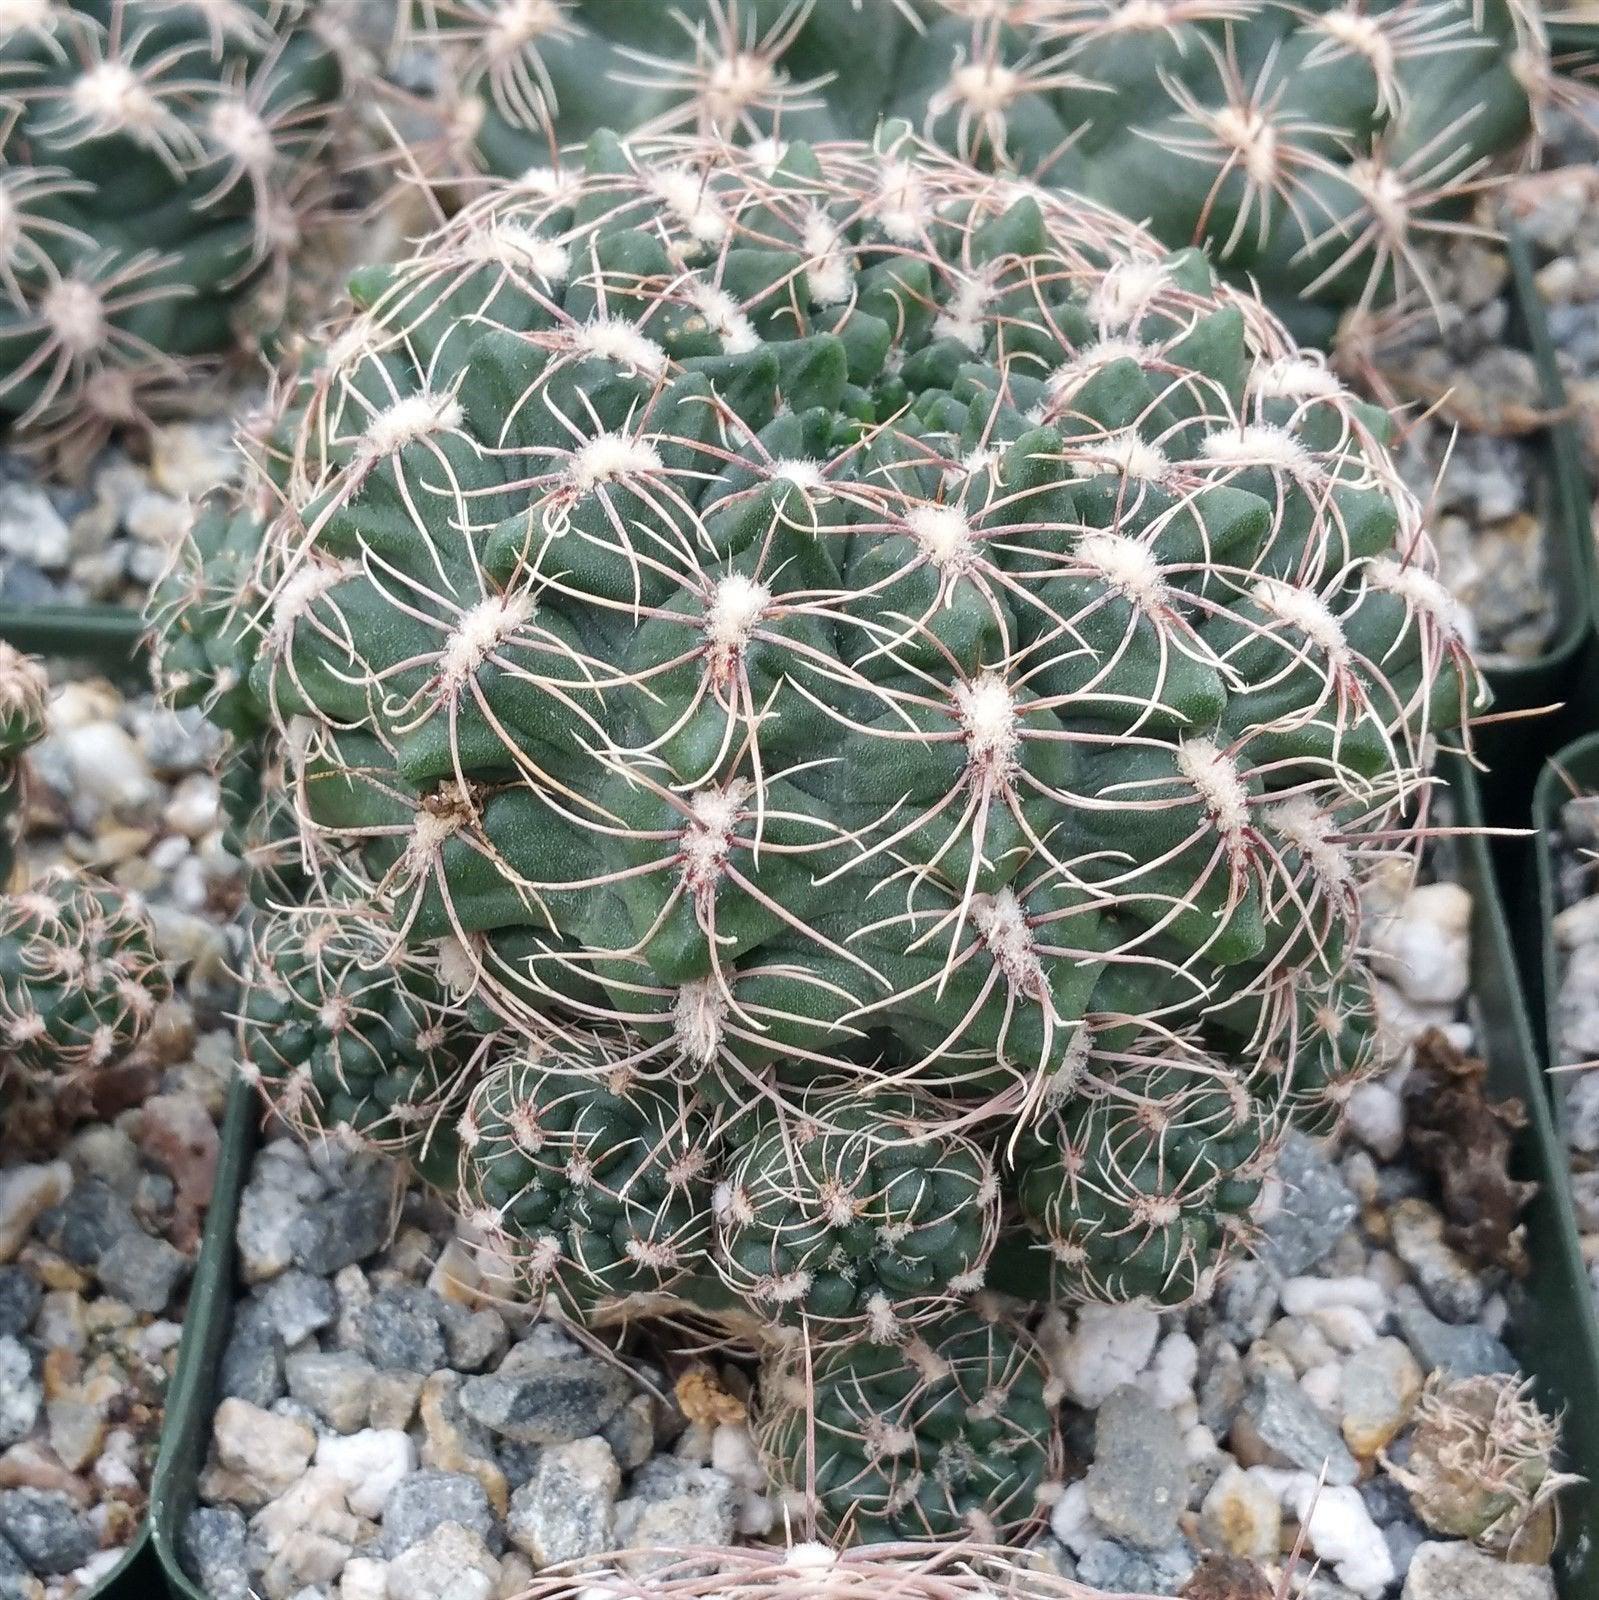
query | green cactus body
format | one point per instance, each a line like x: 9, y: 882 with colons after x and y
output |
x: 80, y: 981
x: 1308, y: 147
x: 855, y: 1216
x: 24, y: 713
x: 344, y: 1039
x: 157, y: 161
x: 948, y: 1436
x: 595, y: 1182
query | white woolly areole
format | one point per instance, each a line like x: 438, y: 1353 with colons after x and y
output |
x: 612, y: 339
x: 546, y: 183
x: 1125, y: 451
x: 610, y: 456
x: 242, y: 132
x: 1257, y: 444
x: 1310, y: 830
x: 810, y: 1557
x: 75, y: 313
x: 309, y: 582
x: 1127, y: 565
x: 1362, y: 33
x: 686, y: 195
x: 697, y: 1017
x: 1296, y: 377
x: 767, y: 154
x: 901, y: 208
x: 1246, y: 131
x: 1070, y: 374
x: 1064, y: 1082
x: 1386, y: 195
x: 709, y: 836
x: 520, y: 248
x: 1215, y: 777
x: 111, y: 94
x: 478, y: 633
x: 800, y: 472
x: 829, y: 269
x: 456, y: 968
x: 1420, y: 591
x: 987, y: 710
x: 1306, y: 611
x: 517, y: 23
x: 1122, y: 296
x: 963, y: 317
x: 736, y: 606
x: 1138, y: 16
x: 417, y: 416
x: 985, y: 86
x: 1002, y: 923
x: 735, y: 83
x: 722, y: 315
x: 944, y: 534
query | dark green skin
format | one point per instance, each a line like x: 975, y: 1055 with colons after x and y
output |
x: 196, y: 219
x: 980, y: 1467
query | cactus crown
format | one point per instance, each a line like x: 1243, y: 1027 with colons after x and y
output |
x: 158, y: 162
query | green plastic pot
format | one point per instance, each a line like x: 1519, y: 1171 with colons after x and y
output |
x: 107, y: 637
x: 186, y: 1431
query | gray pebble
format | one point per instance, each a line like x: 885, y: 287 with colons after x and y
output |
x: 19, y: 1299
x: 477, y: 1340
x: 424, y: 1500
x: 214, y: 1547
x: 401, y: 1330
x: 91, y: 1219
x: 567, y: 1508
x: 1317, y: 1206
x: 1138, y: 1483
x: 264, y: 1234
x: 541, y: 1397
x: 46, y: 1530
x: 1109, y: 1564
x: 299, y: 1305
x: 336, y: 1385
x: 16, y: 1581
x: 673, y: 1506
x: 21, y: 1393
x: 144, y: 1272
x: 1464, y: 1351
x: 1446, y: 1279
x: 352, y: 1223
x: 252, y: 1359
x: 1447, y: 1571
x: 1283, y: 1419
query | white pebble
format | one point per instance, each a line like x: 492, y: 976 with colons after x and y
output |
x: 364, y: 1579
x: 1110, y: 1346
x: 1303, y: 1296
x: 1322, y: 1385
x: 1171, y: 1373
x: 1376, y: 1117
x: 1072, y: 1521
x: 1339, y: 1529
x: 1347, y: 1327
x: 368, y: 1464
x: 733, y: 1451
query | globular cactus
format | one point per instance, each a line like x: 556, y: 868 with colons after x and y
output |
x: 596, y: 1184
x: 1309, y: 147
x: 345, y: 1040
x: 158, y: 163
x: 80, y: 981
x: 854, y: 1216
x: 948, y: 1436
x: 1483, y: 1462
x: 871, y: 690
x: 24, y: 714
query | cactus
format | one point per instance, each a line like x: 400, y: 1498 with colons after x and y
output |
x: 158, y: 164
x: 600, y: 1190
x: 1308, y: 147
x: 24, y: 696
x: 344, y: 1040
x: 1482, y: 1463
x: 855, y: 1216
x: 948, y: 1436
x: 80, y: 981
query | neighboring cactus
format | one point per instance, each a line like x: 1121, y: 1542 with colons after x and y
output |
x: 953, y: 1435
x: 342, y: 1037
x: 595, y: 1183
x: 157, y: 160
x: 1482, y: 1462
x: 80, y: 981
x: 24, y: 711
x: 1308, y: 146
